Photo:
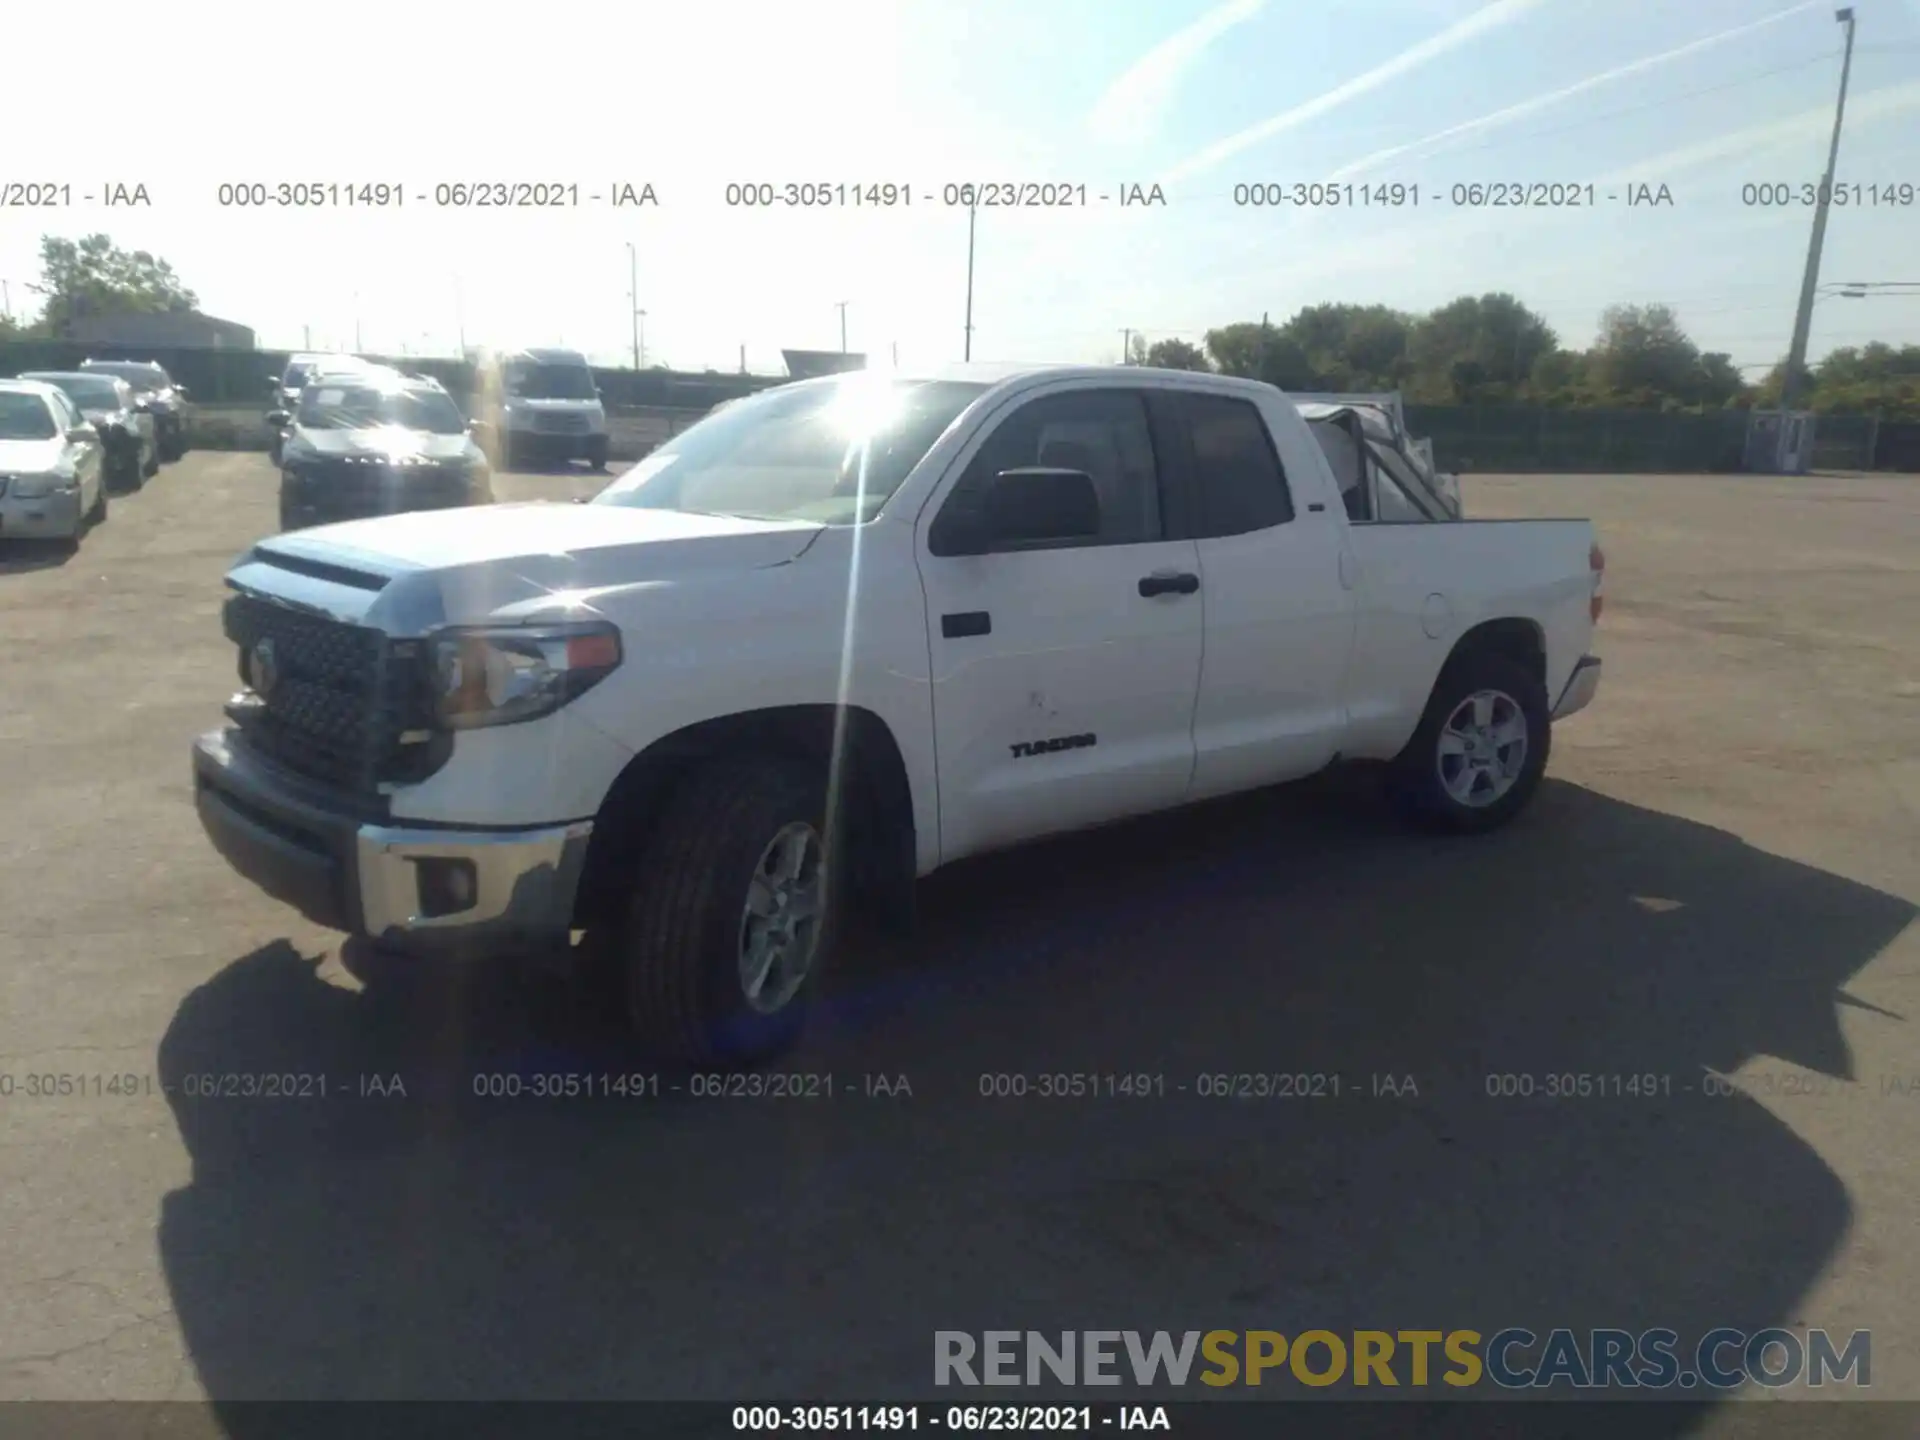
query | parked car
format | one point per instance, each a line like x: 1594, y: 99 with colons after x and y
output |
x: 542, y: 404
x: 124, y: 421
x: 291, y: 381
x: 52, y: 479
x: 166, y: 399
x: 965, y: 610
x: 376, y: 442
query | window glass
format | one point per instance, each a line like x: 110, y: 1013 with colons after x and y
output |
x: 1101, y: 432
x: 1237, y: 476
x: 25, y: 417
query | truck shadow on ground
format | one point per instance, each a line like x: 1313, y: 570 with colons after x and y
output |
x: 444, y: 1245
x: 17, y: 557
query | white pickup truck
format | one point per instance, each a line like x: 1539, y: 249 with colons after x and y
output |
x: 845, y: 632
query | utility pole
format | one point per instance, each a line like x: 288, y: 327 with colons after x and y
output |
x: 743, y: 358
x: 306, y: 338
x: 1126, y: 347
x: 896, y: 354
x: 1790, y: 386
x: 640, y: 321
x: 1260, y: 372
x: 633, y: 299
x: 972, y: 210
x: 6, y: 299
x: 842, y: 305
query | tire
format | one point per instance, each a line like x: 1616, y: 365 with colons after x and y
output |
x: 98, y: 514
x: 597, y: 455
x: 679, y: 952
x: 150, y: 461
x: 1515, y: 702
x: 273, y: 450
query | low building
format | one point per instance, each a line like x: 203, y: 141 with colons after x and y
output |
x: 161, y: 329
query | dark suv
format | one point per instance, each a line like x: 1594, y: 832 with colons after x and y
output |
x: 165, y: 400
x: 376, y: 443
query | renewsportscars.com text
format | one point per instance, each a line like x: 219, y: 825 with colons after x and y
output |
x: 1514, y: 1359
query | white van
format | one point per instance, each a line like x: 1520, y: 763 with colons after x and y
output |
x: 543, y: 405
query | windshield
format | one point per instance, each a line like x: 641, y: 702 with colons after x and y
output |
x: 365, y: 408
x: 140, y: 377
x: 832, y: 453
x: 531, y: 381
x: 86, y: 391
x: 25, y: 417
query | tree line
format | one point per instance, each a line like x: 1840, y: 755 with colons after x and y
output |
x: 1492, y: 350
x: 1476, y: 350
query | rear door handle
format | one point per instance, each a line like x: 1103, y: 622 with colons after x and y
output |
x: 1169, y: 583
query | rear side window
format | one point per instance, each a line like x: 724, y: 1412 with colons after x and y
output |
x: 1238, y: 484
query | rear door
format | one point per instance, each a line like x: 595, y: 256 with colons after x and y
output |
x: 1279, y: 609
x: 1064, y: 675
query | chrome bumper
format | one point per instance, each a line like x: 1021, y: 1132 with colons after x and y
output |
x: 407, y: 887
x: 1582, y: 685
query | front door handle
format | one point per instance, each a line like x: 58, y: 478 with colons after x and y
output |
x: 1169, y: 583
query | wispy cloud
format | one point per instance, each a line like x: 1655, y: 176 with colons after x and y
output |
x: 1484, y: 20
x: 1132, y: 106
x: 1811, y: 124
x: 1538, y: 103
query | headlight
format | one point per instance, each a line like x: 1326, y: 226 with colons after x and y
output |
x: 38, y: 487
x: 501, y: 675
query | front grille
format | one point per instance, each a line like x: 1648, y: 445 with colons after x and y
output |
x: 357, y: 487
x: 560, y: 424
x: 339, y: 699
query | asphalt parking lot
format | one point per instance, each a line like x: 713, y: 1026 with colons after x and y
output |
x: 1720, y: 879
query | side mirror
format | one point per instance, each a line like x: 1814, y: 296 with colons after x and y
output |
x: 278, y: 418
x: 1020, y: 507
x: 82, y: 435
x: 181, y: 391
x: 143, y: 407
x: 1041, y: 503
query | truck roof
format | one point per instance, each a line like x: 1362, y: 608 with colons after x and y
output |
x: 997, y: 373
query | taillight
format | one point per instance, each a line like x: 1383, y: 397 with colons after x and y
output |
x: 1597, y: 563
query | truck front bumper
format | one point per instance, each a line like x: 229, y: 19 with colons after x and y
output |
x: 1582, y: 685
x: 421, y: 889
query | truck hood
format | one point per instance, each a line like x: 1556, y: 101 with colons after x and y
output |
x: 410, y: 572
x: 30, y: 457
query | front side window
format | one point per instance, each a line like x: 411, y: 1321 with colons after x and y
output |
x: 1102, y: 433
x: 142, y: 378
x: 831, y: 452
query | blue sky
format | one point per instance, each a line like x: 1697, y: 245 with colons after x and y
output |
x: 1703, y: 97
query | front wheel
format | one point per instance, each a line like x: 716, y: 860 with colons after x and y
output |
x: 597, y: 453
x: 1480, y: 749
x: 97, y: 515
x: 732, y: 915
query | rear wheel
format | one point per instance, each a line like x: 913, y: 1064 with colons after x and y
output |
x: 732, y: 915
x: 1480, y: 749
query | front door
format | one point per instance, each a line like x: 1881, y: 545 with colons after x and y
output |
x: 1064, y: 675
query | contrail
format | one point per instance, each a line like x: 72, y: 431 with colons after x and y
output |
x: 1814, y: 123
x: 1554, y: 97
x: 1487, y: 18
x: 1135, y: 100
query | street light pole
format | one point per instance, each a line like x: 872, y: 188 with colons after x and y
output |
x: 843, y: 325
x: 972, y: 211
x: 1790, y: 386
x: 633, y: 298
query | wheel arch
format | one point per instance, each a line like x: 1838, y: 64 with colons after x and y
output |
x: 874, y: 820
x: 1514, y: 637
